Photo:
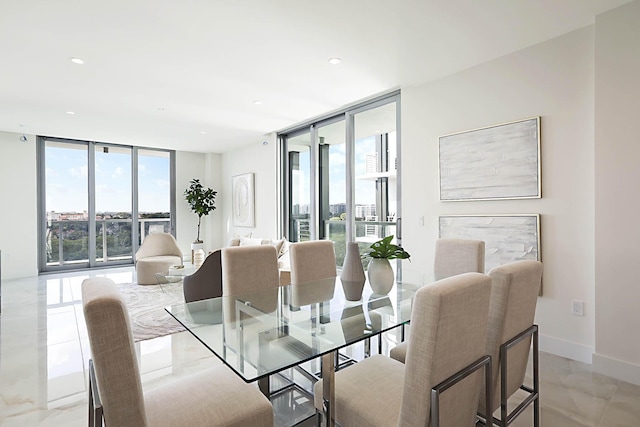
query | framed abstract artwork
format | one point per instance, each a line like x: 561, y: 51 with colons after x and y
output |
x: 243, y: 197
x: 494, y: 162
x: 507, y: 238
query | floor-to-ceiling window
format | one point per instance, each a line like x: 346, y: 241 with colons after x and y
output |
x: 339, y: 176
x: 97, y: 201
x: 113, y: 203
x: 154, y: 192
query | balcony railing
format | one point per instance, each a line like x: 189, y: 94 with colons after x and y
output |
x: 367, y: 232
x: 68, y: 240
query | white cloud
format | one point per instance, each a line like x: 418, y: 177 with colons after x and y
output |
x: 118, y: 172
x: 79, y: 172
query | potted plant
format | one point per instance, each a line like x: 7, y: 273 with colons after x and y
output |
x: 379, y: 270
x: 201, y: 201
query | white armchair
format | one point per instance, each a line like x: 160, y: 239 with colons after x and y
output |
x: 158, y: 252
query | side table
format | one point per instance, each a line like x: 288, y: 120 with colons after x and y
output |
x: 175, y: 274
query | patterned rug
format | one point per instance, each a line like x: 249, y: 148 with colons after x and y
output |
x: 146, y: 308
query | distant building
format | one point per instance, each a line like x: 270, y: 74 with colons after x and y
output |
x: 338, y: 208
x: 365, y: 211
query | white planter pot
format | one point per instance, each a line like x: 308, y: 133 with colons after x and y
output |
x: 380, y: 275
x: 197, y: 254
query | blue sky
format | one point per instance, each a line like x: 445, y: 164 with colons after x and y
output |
x: 365, y: 190
x: 67, y: 178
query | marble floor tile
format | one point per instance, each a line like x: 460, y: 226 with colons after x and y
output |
x: 44, y: 354
x: 624, y: 407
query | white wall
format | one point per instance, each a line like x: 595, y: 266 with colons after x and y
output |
x: 553, y: 80
x: 617, y: 205
x: 261, y: 160
x: 206, y: 168
x: 18, y: 214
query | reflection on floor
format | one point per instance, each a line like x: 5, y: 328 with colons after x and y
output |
x: 44, y: 353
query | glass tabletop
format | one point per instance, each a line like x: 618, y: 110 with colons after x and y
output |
x: 265, y: 332
x: 175, y: 273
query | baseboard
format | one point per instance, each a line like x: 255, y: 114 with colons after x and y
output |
x: 624, y: 371
x: 568, y: 349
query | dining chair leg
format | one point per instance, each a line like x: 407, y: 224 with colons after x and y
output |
x: 328, y: 387
x: 265, y: 386
x: 536, y: 378
x: 91, y: 413
x: 95, y: 405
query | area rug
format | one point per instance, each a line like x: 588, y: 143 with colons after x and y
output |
x: 146, y: 308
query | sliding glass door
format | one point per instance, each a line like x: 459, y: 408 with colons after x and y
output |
x: 97, y: 201
x: 113, y: 209
x: 154, y: 195
x: 66, y: 204
x: 339, y: 176
x: 375, y: 171
x: 332, y: 194
x: 299, y: 187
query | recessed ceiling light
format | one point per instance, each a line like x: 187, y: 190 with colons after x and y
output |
x: 203, y: 132
x: 76, y: 60
x: 257, y: 102
x: 334, y: 61
x: 70, y: 113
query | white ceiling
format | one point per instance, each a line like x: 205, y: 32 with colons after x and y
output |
x: 159, y: 72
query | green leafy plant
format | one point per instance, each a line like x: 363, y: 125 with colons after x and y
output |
x: 201, y: 201
x: 385, y: 249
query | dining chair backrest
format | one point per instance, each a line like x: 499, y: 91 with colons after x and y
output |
x: 312, y: 260
x: 448, y: 332
x: 456, y: 256
x: 514, y: 295
x: 113, y: 352
x: 247, y: 269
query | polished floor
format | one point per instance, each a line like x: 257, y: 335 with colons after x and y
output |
x: 44, y: 352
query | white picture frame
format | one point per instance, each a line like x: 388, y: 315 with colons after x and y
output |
x: 491, y: 163
x: 507, y: 237
x: 243, y: 200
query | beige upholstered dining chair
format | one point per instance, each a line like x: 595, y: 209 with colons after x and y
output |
x: 452, y: 256
x: 248, y: 269
x: 456, y: 256
x: 158, y: 252
x: 514, y: 295
x: 213, y: 397
x: 312, y: 261
x: 448, y: 334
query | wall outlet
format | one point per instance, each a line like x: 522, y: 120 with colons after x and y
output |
x: 421, y: 220
x: 577, y: 308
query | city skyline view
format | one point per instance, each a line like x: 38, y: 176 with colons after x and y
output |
x: 365, y: 190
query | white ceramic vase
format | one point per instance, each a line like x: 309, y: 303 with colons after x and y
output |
x: 380, y: 275
x: 197, y: 254
x: 352, y: 274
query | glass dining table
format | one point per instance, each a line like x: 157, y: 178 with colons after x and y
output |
x: 264, y: 333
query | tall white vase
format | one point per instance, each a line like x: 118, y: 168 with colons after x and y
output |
x: 380, y: 275
x: 352, y: 274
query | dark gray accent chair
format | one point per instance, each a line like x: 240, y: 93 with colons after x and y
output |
x: 206, y: 282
